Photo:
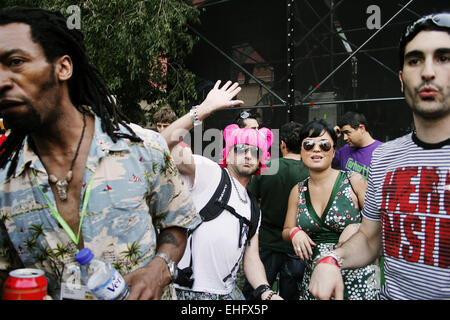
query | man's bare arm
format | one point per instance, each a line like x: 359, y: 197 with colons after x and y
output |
x: 358, y: 251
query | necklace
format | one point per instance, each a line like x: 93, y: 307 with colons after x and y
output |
x: 63, y: 184
x: 245, y: 200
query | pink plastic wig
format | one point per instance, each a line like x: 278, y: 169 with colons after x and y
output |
x: 261, y: 138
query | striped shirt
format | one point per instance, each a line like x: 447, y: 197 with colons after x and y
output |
x: 409, y: 193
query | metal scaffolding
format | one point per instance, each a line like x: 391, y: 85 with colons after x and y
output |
x: 354, y: 53
x: 291, y: 99
x: 291, y: 60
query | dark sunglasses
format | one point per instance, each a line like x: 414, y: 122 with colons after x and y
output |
x: 324, y: 145
x: 440, y: 20
x: 241, y: 149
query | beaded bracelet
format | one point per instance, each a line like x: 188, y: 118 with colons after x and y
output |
x: 194, y: 116
x: 269, y: 297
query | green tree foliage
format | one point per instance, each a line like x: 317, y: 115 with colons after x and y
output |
x: 139, y: 47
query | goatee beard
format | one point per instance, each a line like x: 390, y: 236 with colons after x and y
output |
x: 25, y: 124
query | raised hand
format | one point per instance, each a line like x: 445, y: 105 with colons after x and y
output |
x: 220, y: 98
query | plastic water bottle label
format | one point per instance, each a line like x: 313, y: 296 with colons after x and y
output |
x: 70, y: 291
x: 112, y: 288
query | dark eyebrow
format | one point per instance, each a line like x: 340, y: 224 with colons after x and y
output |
x: 443, y: 51
x: 419, y: 54
x: 414, y: 54
x: 8, y: 53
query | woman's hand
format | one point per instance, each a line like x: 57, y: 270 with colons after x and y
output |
x: 302, y: 244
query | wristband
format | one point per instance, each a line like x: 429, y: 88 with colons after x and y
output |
x: 194, y: 116
x: 294, y: 232
x: 330, y: 260
x: 260, y: 290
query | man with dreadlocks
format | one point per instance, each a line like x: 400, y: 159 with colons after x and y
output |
x: 75, y: 172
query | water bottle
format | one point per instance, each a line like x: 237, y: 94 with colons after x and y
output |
x: 105, y: 282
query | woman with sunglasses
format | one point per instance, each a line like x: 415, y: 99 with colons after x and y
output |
x: 324, y: 211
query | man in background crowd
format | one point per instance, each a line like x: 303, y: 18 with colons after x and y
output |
x: 357, y: 153
x: 273, y: 192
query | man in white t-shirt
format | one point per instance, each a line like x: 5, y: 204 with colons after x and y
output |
x: 407, y: 206
x: 216, y: 247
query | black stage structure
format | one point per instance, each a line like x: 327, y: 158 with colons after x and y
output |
x: 303, y: 59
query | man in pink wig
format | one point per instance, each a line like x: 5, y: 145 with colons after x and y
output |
x: 246, y: 138
x: 216, y: 247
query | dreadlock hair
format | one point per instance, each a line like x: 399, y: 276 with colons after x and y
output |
x: 86, y: 86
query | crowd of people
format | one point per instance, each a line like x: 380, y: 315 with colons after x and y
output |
x: 75, y: 173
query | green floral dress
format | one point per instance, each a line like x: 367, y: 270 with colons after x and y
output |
x: 360, y: 284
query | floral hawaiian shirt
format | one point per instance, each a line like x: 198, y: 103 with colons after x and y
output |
x: 136, y: 191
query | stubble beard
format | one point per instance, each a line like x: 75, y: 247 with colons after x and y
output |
x: 242, y: 171
x: 429, y: 109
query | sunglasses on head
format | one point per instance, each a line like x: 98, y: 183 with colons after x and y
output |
x: 324, y: 145
x: 246, y: 114
x: 440, y: 20
x: 241, y: 149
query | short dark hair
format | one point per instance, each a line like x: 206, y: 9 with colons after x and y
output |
x: 316, y: 128
x: 352, y: 119
x: 244, y: 115
x: 165, y: 114
x: 290, y: 134
x: 425, y: 23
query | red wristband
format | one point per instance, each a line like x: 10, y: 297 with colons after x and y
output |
x: 294, y: 232
x: 329, y: 260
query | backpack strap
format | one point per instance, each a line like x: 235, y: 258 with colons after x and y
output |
x: 254, y: 218
x: 209, y: 212
x: 184, y: 277
x: 251, y: 231
x: 214, y: 207
x: 241, y: 219
x: 222, y: 195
